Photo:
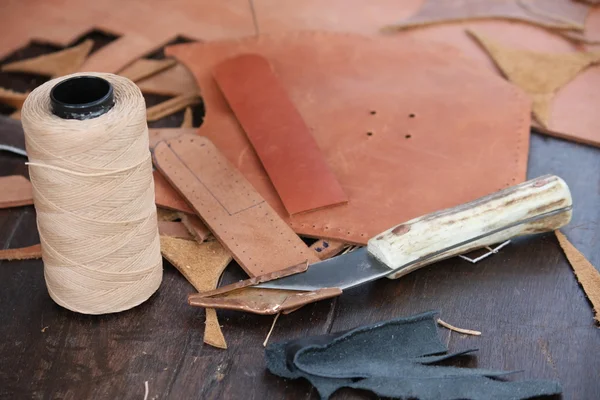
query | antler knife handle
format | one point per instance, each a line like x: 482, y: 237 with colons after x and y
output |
x: 539, y: 205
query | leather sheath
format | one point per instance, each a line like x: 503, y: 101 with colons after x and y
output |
x: 228, y: 204
x: 15, y: 191
x: 279, y: 135
x: 407, y: 127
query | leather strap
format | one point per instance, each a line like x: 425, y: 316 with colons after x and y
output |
x: 279, y: 135
x: 233, y: 210
x: 166, y: 197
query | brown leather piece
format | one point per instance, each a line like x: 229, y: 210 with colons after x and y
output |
x: 174, y: 229
x: 15, y: 191
x: 202, y: 265
x: 242, y: 296
x: 556, y: 14
x: 172, y: 82
x: 359, y: 16
x: 279, y: 135
x: 228, y: 204
x: 143, y: 25
x: 171, y: 106
x: 326, y: 248
x: 523, y: 67
x: 63, y: 62
x: 195, y: 226
x: 23, y: 253
x: 423, y: 124
x: 188, y: 119
x: 12, y: 98
x: 144, y: 68
x: 158, y: 134
x: 587, y: 275
x: 166, y: 197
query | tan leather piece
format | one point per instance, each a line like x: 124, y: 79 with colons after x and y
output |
x: 171, y: 106
x: 541, y: 75
x: 202, y: 265
x: 326, y: 248
x: 23, y: 253
x: 12, y: 98
x: 228, y: 204
x: 166, y: 197
x: 16, y: 114
x: 174, y: 229
x: 556, y: 14
x: 395, y: 147
x: 242, y: 296
x: 142, y: 25
x: 587, y: 275
x: 158, y: 134
x: 279, y: 135
x: 144, y: 68
x: 63, y: 62
x: 523, y: 68
x: 172, y: 82
x: 188, y: 119
x: 195, y: 226
x: 15, y: 191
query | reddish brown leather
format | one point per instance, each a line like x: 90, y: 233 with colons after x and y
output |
x: 228, y: 204
x: 15, y: 191
x: 167, y: 197
x: 407, y: 127
x: 279, y: 135
x: 23, y: 253
x: 143, y: 25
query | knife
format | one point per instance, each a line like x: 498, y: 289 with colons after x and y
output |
x: 539, y: 205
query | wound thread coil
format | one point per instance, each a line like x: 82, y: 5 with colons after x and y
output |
x: 94, y: 197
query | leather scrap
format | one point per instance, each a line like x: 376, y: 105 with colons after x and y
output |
x: 23, y: 253
x: 158, y: 134
x: 524, y: 68
x: 166, y: 197
x: 202, y: 265
x: 141, y: 25
x: 278, y: 134
x: 174, y: 229
x: 555, y: 14
x: 390, y: 134
x: 15, y: 191
x: 171, y: 82
x: 587, y: 275
x: 195, y: 226
x: 171, y: 106
x: 326, y: 248
x: 188, y: 119
x: 144, y: 68
x: 12, y: 98
x: 63, y: 62
x: 394, y: 359
x: 228, y: 204
x: 12, y: 137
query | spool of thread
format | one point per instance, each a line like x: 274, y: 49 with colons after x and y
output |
x: 91, y: 171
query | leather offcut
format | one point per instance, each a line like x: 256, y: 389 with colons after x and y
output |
x: 235, y: 213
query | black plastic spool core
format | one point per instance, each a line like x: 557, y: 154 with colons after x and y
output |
x: 82, y: 97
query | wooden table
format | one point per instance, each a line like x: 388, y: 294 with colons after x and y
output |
x: 526, y: 301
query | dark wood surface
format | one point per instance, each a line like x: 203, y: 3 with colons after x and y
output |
x: 526, y: 301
